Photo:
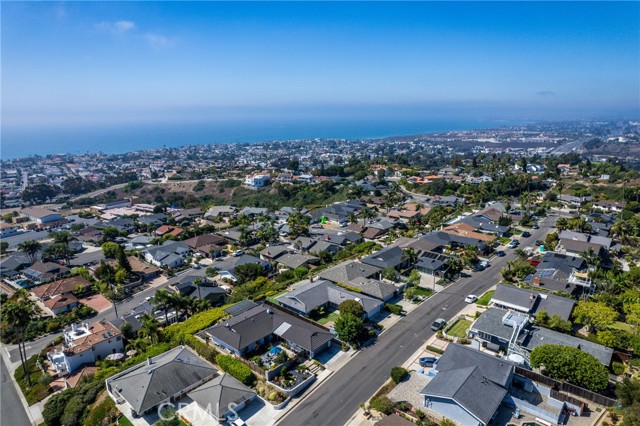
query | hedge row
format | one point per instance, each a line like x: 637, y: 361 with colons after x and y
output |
x: 434, y: 349
x: 196, y: 323
x: 236, y: 368
x: 395, y: 309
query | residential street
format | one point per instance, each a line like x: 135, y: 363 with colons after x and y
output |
x: 11, y: 410
x: 334, y: 402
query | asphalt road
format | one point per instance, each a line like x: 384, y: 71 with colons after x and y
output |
x: 337, y: 399
x: 11, y: 410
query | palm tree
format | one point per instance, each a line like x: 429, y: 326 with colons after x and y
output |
x: 17, y: 315
x: 138, y: 344
x: 244, y: 235
x: 198, y: 283
x: 63, y: 238
x: 150, y: 328
x: 30, y: 248
x: 410, y: 256
x: 353, y: 218
x: 162, y: 300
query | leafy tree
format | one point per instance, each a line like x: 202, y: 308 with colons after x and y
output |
x: 628, y: 391
x: 632, y: 311
x: 414, y: 277
x: 123, y: 261
x: 126, y: 329
x: 54, y: 407
x: 572, y: 365
x: 248, y: 271
x: 349, y: 328
x: 382, y: 403
x: 557, y: 323
x: 595, y: 315
x: 121, y: 275
x: 3, y: 247
x: 390, y: 274
x: 551, y: 240
x: 110, y: 234
x: 398, y: 374
x: 351, y: 307
x: 110, y: 249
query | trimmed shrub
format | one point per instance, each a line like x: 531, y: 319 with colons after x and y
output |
x: 398, y: 374
x: 618, y: 368
x: 382, y: 404
x: 394, y: 309
x: 236, y: 368
x: 434, y: 349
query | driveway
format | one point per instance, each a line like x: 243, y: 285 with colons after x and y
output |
x: 339, y: 396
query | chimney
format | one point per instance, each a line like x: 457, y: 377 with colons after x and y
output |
x: 149, y: 361
x: 326, y: 237
x: 536, y: 281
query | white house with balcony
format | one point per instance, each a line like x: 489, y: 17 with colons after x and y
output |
x: 85, y: 344
x: 257, y: 180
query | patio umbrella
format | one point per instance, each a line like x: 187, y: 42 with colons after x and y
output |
x: 132, y: 352
x: 115, y: 357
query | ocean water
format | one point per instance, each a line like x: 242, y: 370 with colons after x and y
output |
x: 24, y: 142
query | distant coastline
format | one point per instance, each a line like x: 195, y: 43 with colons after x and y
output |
x: 21, y: 143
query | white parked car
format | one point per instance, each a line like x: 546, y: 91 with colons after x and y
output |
x: 238, y: 253
x: 471, y: 298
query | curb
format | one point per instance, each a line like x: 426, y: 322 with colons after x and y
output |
x: 305, y: 395
x: 25, y: 405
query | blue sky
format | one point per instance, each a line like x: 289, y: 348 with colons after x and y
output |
x: 127, y: 62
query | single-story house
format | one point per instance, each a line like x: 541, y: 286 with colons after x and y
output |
x: 349, y: 271
x: 252, y: 326
x: 531, y: 302
x: 45, y: 271
x: 307, y: 297
x: 166, y: 377
x: 388, y: 257
x: 170, y: 254
x: 218, y: 395
x: 469, y: 385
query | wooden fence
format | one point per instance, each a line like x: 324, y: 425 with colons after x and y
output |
x: 566, y: 387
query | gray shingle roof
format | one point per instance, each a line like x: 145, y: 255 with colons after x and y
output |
x: 217, y: 394
x: 240, y: 307
x: 514, y: 297
x: 296, y: 260
x: 490, y: 322
x: 348, y: 271
x: 374, y: 288
x: 144, y: 386
x: 458, y: 356
x: 538, y: 336
x: 470, y: 389
x: 261, y: 321
x: 307, y: 297
x: 388, y: 257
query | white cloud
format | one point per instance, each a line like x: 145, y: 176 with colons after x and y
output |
x: 158, y: 41
x: 118, y: 27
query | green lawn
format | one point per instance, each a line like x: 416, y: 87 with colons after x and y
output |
x: 123, y: 421
x: 420, y: 291
x: 622, y: 326
x: 460, y: 328
x: 333, y: 316
x: 273, y: 300
x: 485, y: 298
